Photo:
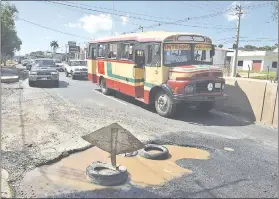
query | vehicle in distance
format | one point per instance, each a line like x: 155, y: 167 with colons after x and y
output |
x: 43, y: 71
x: 30, y: 64
x: 59, y: 65
x: 77, y: 69
x: 24, y: 62
x: 158, y: 68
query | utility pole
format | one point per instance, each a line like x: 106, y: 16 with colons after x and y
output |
x: 112, y: 25
x: 239, y: 12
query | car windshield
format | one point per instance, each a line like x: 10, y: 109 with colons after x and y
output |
x: 78, y: 63
x: 181, y: 54
x: 44, y: 63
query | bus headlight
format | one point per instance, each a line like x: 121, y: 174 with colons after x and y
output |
x: 189, y: 89
x: 210, y: 86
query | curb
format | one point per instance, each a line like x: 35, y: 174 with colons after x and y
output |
x: 9, y: 79
x: 5, y: 188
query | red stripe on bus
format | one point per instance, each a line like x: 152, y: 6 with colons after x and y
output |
x: 117, y: 61
x: 101, y: 67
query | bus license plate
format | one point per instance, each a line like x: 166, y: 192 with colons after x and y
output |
x: 217, y: 85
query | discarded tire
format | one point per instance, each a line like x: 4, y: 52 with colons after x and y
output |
x: 161, y: 152
x: 105, y: 174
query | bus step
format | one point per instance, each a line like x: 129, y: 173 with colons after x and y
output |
x: 140, y: 99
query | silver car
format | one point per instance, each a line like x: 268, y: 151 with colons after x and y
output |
x: 44, y: 71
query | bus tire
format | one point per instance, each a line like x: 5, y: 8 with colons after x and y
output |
x: 164, y: 105
x: 103, y: 86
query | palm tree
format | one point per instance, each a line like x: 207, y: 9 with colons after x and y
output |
x: 54, y: 45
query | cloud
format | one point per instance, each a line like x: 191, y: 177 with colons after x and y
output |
x: 124, y: 20
x: 47, y: 37
x: 231, y: 13
x: 93, y: 23
x: 61, y: 16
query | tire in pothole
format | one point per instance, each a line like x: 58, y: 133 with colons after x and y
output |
x: 106, y: 175
x: 161, y: 152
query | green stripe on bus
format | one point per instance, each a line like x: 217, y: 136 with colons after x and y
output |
x: 131, y: 80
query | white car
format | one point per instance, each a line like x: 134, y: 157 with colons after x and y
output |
x: 59, y: 65
x: 76, y: 68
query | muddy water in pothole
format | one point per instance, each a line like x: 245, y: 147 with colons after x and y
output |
x: 70, y: 171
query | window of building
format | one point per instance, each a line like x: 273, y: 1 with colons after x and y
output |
x: 127, y: 51
x: 101, y: 50
x: 112, y: 51
x: 274, y: 64
x: 240, y: 63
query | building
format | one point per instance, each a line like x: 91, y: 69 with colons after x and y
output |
x: 257, y: 61
x: 220, y: 57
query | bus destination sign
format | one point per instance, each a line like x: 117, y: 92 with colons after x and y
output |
x: 191, y: 38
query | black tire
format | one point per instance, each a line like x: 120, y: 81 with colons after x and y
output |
x: 113, y: 177
x: 31, y: 83
x: 167, y: 108
x: 163, y: 152
x: 103, y: 86
x: 205, y: 107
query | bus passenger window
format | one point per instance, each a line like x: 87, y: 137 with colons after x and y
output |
x: 101, y: 50
x: 127, y: 51
x: 149, y: 54
x: 112, y: 51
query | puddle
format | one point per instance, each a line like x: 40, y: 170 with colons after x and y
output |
x: 70, y: 171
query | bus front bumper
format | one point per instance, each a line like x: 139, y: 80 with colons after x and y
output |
x: 198, y: 98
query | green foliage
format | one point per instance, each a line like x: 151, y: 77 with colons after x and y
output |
x: 262, y: 48
x: 10, y: 42
x: 54, y: 45
x: 220, y: 46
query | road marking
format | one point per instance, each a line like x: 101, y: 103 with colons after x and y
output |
x: 109, y: 97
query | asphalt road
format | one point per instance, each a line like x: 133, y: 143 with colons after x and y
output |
x: 77, y: 108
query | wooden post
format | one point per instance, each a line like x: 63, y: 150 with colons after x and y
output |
x: 114, y: 135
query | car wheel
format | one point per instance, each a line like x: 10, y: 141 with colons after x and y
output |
x: 103, y: 86
x: 205, y: 107
x: 164, y: 105
x: 31, y: 83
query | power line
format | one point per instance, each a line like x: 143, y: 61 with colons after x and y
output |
x: 52, y: 29
x: 139, y: 18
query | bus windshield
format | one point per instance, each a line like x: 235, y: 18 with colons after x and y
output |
x: 182, y: 54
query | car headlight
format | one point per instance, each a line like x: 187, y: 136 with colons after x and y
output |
x: 189, y: 89
x: 33, y: 73
x: 54, y: 73
x: 210, y: 86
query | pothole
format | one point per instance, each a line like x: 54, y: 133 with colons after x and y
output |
x: 70, y: 171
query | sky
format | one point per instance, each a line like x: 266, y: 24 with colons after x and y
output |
x: 96, y: 19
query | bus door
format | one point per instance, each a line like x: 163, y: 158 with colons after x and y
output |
x: 92, y: 63
x: 138, y: 73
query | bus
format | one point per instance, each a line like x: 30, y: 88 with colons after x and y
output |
x: 162, y: 69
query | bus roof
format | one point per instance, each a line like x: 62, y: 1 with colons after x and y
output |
x: 158, y: 36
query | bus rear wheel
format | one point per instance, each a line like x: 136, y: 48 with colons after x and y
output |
x: 164, y: 105
x: 103, y: 86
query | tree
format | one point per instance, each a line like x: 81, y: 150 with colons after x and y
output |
x: 10, y: 42
x: 220, y: 46
x: 54, y: 45
x: 275, y: 11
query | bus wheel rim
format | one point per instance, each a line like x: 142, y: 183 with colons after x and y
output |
x: 162, y: 103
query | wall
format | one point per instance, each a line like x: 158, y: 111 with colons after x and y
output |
x: 248, y: 61
x: 268, y: 62
x: 259, y: 106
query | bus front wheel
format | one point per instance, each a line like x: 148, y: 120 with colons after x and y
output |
x: 164, y: 105
x: 103, y: 86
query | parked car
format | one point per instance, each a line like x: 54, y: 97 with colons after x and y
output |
x: 59, y: 65
x: 76, y: 68
x: 30, y: 64
x: 24, y: 62
x: 44, y: 70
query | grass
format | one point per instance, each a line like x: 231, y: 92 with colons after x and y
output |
x: 263, y: 77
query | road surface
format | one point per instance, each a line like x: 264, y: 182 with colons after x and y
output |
x: 40, y: 125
